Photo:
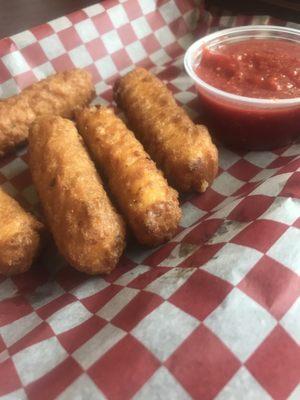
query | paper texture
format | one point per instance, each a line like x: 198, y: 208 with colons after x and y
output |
x: 214, y: 313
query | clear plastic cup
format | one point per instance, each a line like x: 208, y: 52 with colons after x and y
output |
x: 239, y: 121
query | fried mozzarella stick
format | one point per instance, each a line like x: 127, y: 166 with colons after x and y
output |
x: 183, y: 150
x: 19, y: 237
x: 85, y: 226
x: 59, y: 94
x: 148, y: 203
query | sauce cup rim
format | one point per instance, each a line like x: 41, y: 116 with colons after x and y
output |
x: 195, y: 48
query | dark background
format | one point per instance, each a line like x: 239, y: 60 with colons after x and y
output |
x: 18, y: 15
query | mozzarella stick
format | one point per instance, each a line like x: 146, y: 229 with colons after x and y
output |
x: 86, y: 228
x: 183, y: 150
x: 59, y: 94
x: 143, y: 195
x: 19, y: 237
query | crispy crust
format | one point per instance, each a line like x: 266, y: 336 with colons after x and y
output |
x: 183, y: 150
x: 86, y: 228
x: 19, y: 237
x: 149, y: 204
x: 59, y: 94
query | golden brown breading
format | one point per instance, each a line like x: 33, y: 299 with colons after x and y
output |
x: 19, y: 237
x: 183, y: 150
x: 85, y: 226
x: 149, y: 204
x: 59, y: 94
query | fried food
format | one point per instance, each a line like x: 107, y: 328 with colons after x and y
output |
x: 143, y: 195
x: 59, y: 94
x: 183, y: 150
x: 86, y: 228
x: 19, y: 237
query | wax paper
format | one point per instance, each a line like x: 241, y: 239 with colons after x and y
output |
x: 215, y: 312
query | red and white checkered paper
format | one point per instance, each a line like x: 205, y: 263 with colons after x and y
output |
x: 214, y: 313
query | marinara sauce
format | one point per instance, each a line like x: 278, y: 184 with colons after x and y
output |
x: 254, y: 68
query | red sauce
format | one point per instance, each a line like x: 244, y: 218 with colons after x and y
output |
x: 257, y: 68
x: 262, y: 68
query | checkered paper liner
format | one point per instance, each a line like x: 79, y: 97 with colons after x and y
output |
x: 214, y: 313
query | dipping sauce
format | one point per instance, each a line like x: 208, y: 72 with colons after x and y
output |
x: 262, y: 68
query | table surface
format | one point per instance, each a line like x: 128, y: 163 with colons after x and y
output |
x: 18, y: 15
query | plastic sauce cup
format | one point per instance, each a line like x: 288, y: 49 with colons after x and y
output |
x: 239, y: 121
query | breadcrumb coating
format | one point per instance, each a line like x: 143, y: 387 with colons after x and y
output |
x: 147, y: 202
x: 184, y: 151
x: 86, y: 228
x: 19, y: 237
x: 58, y: 94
